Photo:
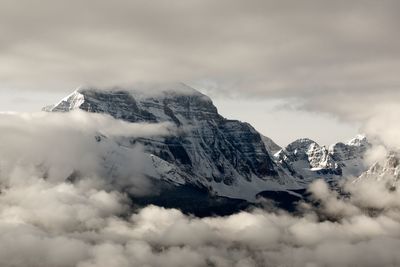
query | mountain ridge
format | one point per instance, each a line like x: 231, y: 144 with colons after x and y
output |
x: 228, y: 157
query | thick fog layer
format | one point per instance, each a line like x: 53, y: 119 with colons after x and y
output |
x: 46, y: 220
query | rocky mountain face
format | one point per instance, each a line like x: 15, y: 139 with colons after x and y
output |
x: 310, y: 160
x: 227, y: 157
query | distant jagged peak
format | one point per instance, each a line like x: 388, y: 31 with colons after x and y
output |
x: 358, y: 141
x: 304, y: 144
x: 355, y: 146
x: 342, y: 158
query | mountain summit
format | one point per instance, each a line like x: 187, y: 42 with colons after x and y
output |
x: 227, y: 157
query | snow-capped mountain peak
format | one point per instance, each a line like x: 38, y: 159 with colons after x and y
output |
x: 228, y: 157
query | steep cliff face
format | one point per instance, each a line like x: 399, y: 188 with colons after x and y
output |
x: 227, y: 156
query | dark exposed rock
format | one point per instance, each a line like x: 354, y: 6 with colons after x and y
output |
x: 208, y: 146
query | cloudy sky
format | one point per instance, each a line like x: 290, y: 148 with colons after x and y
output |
x: 291, y: 68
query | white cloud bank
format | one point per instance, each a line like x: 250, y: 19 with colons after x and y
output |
x: 64, y: 225
x: 46, y: 221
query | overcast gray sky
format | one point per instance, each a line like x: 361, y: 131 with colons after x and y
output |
x: 292, y: 68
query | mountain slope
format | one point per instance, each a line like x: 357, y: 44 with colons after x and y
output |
x: 227, y: 157
x: 310, y: 160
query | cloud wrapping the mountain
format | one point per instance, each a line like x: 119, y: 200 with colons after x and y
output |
x: 56, y: 145
x: 47, y: 221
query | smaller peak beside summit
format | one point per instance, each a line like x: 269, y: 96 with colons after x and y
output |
x: 359, y: 141
x: 305, y: 157
x: 309, y: 159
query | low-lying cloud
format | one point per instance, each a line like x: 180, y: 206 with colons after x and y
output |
x: 63, y: 225
x: 61, y: 145
x: 46, y: 220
